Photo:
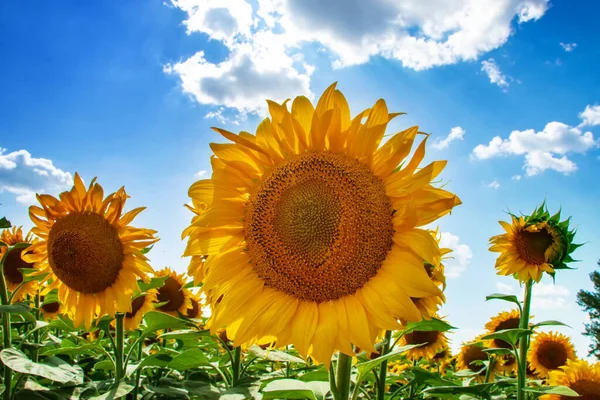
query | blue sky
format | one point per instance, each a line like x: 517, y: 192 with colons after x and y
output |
x: 128, y: 91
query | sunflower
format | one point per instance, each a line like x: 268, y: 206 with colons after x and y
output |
x: 177, y: 298
x: 196, y: 310
x: 311, y: 229
x: 89, y: 251
x: 442, y: 358
x: 50, y: 309
x: 397, y: 367
x: 430, y: 305
x: 581, y: 376
x: 469, y: 357
x: 502, y: 321
x: 432, y: 342
x: 533, y: 245
x: 12, y: 262
x: 140, y: 305
x: 550, y: 351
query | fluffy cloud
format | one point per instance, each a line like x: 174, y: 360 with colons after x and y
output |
x: 543, y: 150
x: 504, y: 288
x: 568, y: 47
x: 494, y: 184
x: 460, y: 257
x: 23, y: 175
x: 267, y: 41
x: 547, y: 296
x: 456, y: 133
x: 492, y: 70
x: 590, y: 116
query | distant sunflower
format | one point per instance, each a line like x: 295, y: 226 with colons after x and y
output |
x: 13, y: 261
x: 51, y: 309
x: 178, y: 299
x: 432, y: 343
x: 442, y: 358
x: 581, y: 376
x: 196, y: 310
x: 311, y: 229
x: 397, y: 367
x: 140, y: 305
x: 507, y: 363
x: 502, y: 321
x: 533, y: 245
x: 550, y: 351
x: 470, y: 356
x: 89, y: 251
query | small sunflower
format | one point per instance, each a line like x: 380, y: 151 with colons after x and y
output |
x: 469, y: 356
x: 533, y: 245
x: 507, y: 363
x: 442, y: 358
x: 89, y: 251
x: 581, y: 376
x: 502, y: 321
x: 311, y: 229
x: 196, y: 310
x: 140, y: 305
x: 51, y: 309
x: 12, y: 262
x: 397, y: 367
x: 177, y: 298
x: 550, y: 351
x: 432, y: 343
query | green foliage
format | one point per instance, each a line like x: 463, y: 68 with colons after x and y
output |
x: 590, y: 302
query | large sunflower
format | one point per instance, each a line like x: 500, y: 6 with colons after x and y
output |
x: 533, y: 245
x: 177, y: 299
x: 311, y: 227
x: 432, y: 343
x: 581, y: 376
x: 550, y: 351
x: 12, y: 262
x: 140, y: 305
x: 502, y: 321
x: 89, y: 251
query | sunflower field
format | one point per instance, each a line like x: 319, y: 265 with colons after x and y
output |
x: 315, y: 272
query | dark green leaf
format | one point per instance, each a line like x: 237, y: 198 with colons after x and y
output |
x: 506, y: 297
x: 428, y: 325
x: 557, y: 390
x: 159, y: 359
x: 550, y: 323
x: 52, y: 368
x: 104, y: 365
x: 154, y: 283
x: 288, y: 389
x: 156, y: 321
x: 4, y: 223
x: 508, y: 335
x: 116, y: 392
x: 190, y: 358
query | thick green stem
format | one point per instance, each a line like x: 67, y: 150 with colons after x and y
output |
x: 332, y: 383
x: 119, y: 347
x: 383, y: 366
x: 344, y: 370
x: 6, y: 334
x: 524, y: 342
x: 36, y: 334
x: 236, y: 365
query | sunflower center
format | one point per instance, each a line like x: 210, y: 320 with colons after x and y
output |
x: 136, y: 305
x: 12, y: 263
x: 51, y: 308
x: 473, y: 354
x: 511, y: 323
x: 552, y: 355
x: 193, y: 312
x: 318, y: 227
x: 85, y: 252
x: 170, y: 292
x: 587, y: 389
x: 532, y: 246
x: 418, y: 337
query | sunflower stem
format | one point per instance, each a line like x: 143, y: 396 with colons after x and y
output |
x: 344, y: 371
x: 235, y: 366
x: 119, y: 348
x: 6, y: 333
x: 383, y: 366
x: 524, y: 343
x: 332, y: 384
x: 36, y: 334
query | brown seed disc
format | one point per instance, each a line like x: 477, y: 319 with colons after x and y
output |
x: 418, y: 337
x: 136, y: 304
x: 171, y: 292
x: 318, y: 227
x: 552, y: 355
x: 51, y: 308
x: 532, y: 246
x: 194, y: 311
x: 12, y: 263
x: 85, y: 252
x: 475, y: 353
x: 587, y: 390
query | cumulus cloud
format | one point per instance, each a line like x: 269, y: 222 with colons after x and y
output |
x: 568, y: 47
x: 267, y: 40
x: 494, y: 184
x: 504, y: 288
x: 547, y: 296
x: 200, y: 174
x: 23, y: 175
x: 516, y: 177
x: 492, y: 70
x: 544, y: 150
x: 460, y: 257
x: 456, y: 133
x: 590, y: 116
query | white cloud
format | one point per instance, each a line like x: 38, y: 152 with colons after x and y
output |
x: 23, y: 175
x: 200, y: 174
x: 516, y: 177
x: 549, y: 296
x: 504, y: 288
x: 267, y: 40
x: 568, y: 46
x: 493, y: 72
x: 590, y: 116
x: 543, y: 150
x: 494, y: 184
x: 460, y: 257
x: 456, y: 133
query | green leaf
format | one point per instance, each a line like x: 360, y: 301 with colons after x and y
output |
x: 116, y: 392
x: 185, y: 334
x: 62, y: 324
x: 557, y: 390
x: 288, y: 389
x: 154, y: 283
x: 422, y: 377
x: 52, y: 368
x: 319, y: 388
x: 4, y: 223
x: 365, y: 367
x: 498, y: 351
x: 104, y: 365
x: 190, y: 358
x: 145, y: 250
x: 319, y: 375
x: 480, y: 390
x: 506, y: 297
x: 85, y: 349
x: 510, y: 336
x: 245, y: 388
x: 2, y: 388
x: 428, y: 325
x: 550, y: 323
x: 274, y: 355
x: 158, y: 359
x: 156, y: 321
x: 20, y: 309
